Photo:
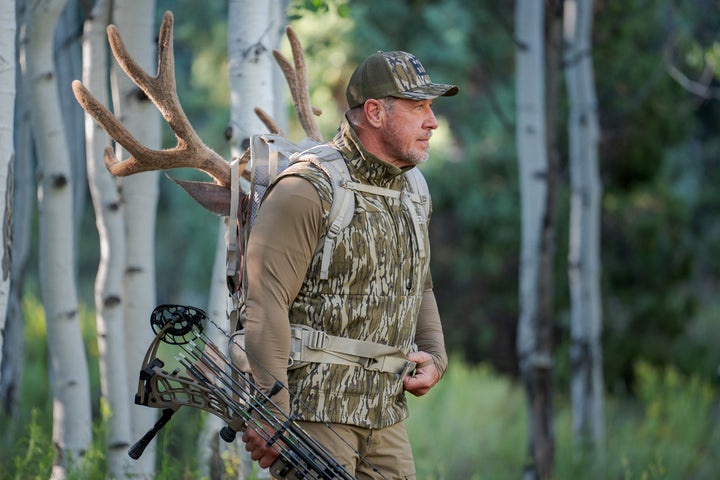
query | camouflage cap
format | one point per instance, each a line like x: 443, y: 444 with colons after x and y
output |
x: 393, y: 74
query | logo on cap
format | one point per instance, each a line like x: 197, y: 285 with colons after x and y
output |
x: 396, y: 74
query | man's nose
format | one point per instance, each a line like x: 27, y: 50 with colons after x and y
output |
x: 431, y: 122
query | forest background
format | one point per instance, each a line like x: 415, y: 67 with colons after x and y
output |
x: 659, y: 162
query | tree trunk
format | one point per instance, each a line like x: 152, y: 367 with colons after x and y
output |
x: 534, y: 343
x: 251, y: 67
x: 586, y: 386
x: 72, y: 426
x: 23, y: 205
x: 68, y: 61
x: 135, y: 21
x: 7, y: 121
x: 111, y: 228
x: 253, y: 79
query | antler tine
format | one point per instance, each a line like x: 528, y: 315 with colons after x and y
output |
x: 161, y: 89
x: 105, y: 119
x: 297, y: 81
x: 268, y: 121
x: 190, y: 151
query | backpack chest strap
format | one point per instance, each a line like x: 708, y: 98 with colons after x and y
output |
x: 372, y: 189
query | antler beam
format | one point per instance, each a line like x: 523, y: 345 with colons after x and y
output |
x: 189, y: 152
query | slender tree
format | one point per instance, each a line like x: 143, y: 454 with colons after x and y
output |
x: 135, y: 19
x: 23, y: 205
x: 534, y: 344
x: 585, y: 205
x: 111, y: 227
x: 68, y: 62
x: 71, y: 405
x: 250, y: 67
x: 7, y: 120
x: 253, y: 75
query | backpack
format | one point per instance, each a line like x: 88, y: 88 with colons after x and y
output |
x: 270, y: 155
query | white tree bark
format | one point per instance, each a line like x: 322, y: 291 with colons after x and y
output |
x: 111, y: 229
x: 585, y: 205
x: 23, y: 206
x: 68, y: 62
x: 71, y: 406
x: 135, y: 21
x: 532, y: 162
x: 7, y: 152
x: 251, y: 66
x: 534, y: 355
x: 253, y: 80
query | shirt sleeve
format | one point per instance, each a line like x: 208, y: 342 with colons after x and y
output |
x: 283, y: 238
x: 428, y: 334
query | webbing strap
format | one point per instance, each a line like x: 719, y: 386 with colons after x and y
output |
x: 372, y: 189
x: 272, y: 162
x: 231, y: 239
x: 417, y: 221
x: 343, y: 205
x: 313, y: 346
x: 416, y: 202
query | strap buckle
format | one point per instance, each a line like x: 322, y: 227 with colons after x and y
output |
x: 315, y: 339
x: 379, y: 365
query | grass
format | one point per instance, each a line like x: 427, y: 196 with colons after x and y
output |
x: 472, y: 425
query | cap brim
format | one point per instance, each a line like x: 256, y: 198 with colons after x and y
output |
x: 428, y: 92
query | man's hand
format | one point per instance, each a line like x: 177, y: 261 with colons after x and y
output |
x: 424, y: 377
x: 257, y: 446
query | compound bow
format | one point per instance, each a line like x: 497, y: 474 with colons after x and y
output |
x: 212, y: 383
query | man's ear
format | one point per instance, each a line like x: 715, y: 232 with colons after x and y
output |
x: 374, y: 112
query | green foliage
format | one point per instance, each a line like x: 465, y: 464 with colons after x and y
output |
x: 300, y: 8
x: 471, y: 425
x: 29, y: 456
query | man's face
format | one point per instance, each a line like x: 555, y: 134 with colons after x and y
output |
x: 408, y: 130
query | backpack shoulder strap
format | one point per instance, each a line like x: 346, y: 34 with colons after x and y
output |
x: 331, y: 161
x: 418, y: 189
x: 417, y: 201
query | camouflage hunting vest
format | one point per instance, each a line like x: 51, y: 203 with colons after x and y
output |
x: 373, y: 293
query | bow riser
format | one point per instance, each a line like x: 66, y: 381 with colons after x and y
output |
x: 167, y: 390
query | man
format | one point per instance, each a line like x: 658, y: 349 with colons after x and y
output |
x: 378, y: 290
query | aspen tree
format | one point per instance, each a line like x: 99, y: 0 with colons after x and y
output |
x: 139, y: 195
x: 586, y: 386
x: 72, y: 425
x: 111, y: 232
x: 533, y: 335
x: 251, y: 71
x: 7, y: 152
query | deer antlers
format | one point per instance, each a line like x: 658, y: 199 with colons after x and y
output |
x: 190, y: 150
